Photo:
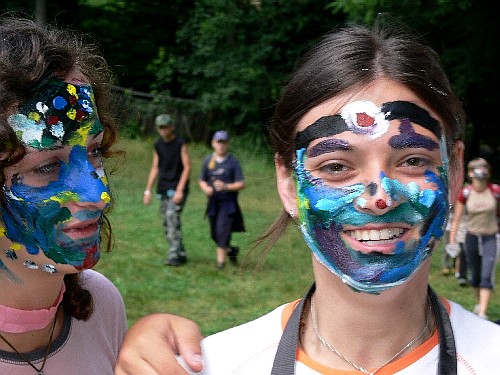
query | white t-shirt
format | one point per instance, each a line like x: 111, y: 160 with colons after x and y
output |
x: 84, y: 347
x: 249, y: 349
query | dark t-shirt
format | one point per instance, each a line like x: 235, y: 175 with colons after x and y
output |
x: 169, y: 164
x: 228, y: 171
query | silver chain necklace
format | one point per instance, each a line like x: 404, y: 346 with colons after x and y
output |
x: 357, y: 367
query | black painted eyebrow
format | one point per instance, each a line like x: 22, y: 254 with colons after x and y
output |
x: 328, y: 126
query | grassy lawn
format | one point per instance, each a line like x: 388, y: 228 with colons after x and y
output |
x: 215, y: 299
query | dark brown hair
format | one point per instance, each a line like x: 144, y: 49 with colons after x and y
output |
x: 30, y: 55
x: 352, y: 57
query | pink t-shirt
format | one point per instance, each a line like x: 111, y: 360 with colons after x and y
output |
x: 84, y: 347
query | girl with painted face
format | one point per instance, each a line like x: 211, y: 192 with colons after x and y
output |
x: 368, y: 152
x: 56, y: 315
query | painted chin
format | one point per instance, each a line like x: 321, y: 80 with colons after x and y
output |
x: 377, y: 240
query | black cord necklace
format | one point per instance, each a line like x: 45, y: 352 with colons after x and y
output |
x: 47, y: 350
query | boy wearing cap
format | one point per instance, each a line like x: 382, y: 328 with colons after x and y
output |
x: 221, y: 179
x: 172, y: 166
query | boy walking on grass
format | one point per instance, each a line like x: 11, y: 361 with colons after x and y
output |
x: 171, y: 165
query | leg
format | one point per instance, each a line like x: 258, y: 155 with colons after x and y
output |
x: 223, y: 224
x: 461, y: 266
x: 488, y: 262
x: 173, y: 231
x: 474, y: 265
x: 446, y: 260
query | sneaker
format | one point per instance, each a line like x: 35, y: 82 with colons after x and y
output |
x: 484, y: 316
x: 233, y: 254
x: 476, y: 309
x: 463, y: 281
x: 220, y: 265
x: 176, y: 262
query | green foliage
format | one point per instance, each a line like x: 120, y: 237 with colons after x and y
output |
x: 235, y: 56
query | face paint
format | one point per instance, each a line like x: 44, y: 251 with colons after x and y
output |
x: 60, y: 121
x: 328, y: 217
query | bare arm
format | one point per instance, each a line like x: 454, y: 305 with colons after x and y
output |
x: 186, y: 171
x: 206, y: 188
x: 153, y: 173
x: 153, y: 342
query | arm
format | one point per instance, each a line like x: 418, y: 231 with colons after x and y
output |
x: 233, y: 186
x: 153, y: 173
x: 206, y: 188
x: 237, y: 185
x: 186, y: 171
x: 153, y: 342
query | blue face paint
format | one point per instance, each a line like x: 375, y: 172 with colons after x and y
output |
x: 328, y: 215
x: 35, y: 214
x: 324, y: 211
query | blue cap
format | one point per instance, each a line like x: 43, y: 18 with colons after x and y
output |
x: 220, y: 135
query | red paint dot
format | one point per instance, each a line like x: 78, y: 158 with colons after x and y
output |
x: 364, y: 120
x: 380, y: 203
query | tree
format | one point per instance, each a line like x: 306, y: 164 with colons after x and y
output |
x: 464, y: 33
x: 233, y: 56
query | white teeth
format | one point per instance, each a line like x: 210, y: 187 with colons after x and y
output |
x: 375, y: 235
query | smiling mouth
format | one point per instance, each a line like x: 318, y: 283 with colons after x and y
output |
x: 381, y: 236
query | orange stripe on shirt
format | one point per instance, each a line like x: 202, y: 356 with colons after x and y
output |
x: 391, y: 368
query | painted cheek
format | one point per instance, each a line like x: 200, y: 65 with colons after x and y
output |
x: 86, y: 182
x: 324, y: 211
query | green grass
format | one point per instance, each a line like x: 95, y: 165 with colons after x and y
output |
x: 215, y: 299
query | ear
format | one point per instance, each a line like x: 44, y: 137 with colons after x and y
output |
x: 456, y: 177
x: 285, y: 185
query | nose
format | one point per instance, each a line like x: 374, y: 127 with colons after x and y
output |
x: 376, y: 198
x: 89, y: 184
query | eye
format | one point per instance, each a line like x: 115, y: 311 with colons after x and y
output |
x: 95, y: 156
x: 47, y: 169
x: 333, y: 168
x: 332, y: 172
x: 417, y: 162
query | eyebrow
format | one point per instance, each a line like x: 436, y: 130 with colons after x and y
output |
x: 328, y: 145
x: 328, y: 126
x: 408, y: 138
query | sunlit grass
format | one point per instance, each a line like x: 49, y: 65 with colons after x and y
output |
x: 213, y: 298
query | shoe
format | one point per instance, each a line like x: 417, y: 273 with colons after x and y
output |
x: 476, y: 309
x: 445, y: 271
x: 462, y: 281
x: 220, y: 265
x: 233, y: 254
x: 176, y: 262
x: 484, y: 316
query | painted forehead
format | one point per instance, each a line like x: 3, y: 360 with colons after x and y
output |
x: 365, y: 117
x: 60, y: 113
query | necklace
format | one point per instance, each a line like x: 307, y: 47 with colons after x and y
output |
x: 47, y: 350
x: 357, y: 367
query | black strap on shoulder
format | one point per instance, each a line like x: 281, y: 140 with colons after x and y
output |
x: 284, y: 361
x: 447, y: 364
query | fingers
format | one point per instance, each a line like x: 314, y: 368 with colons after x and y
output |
x: 153, y: 343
